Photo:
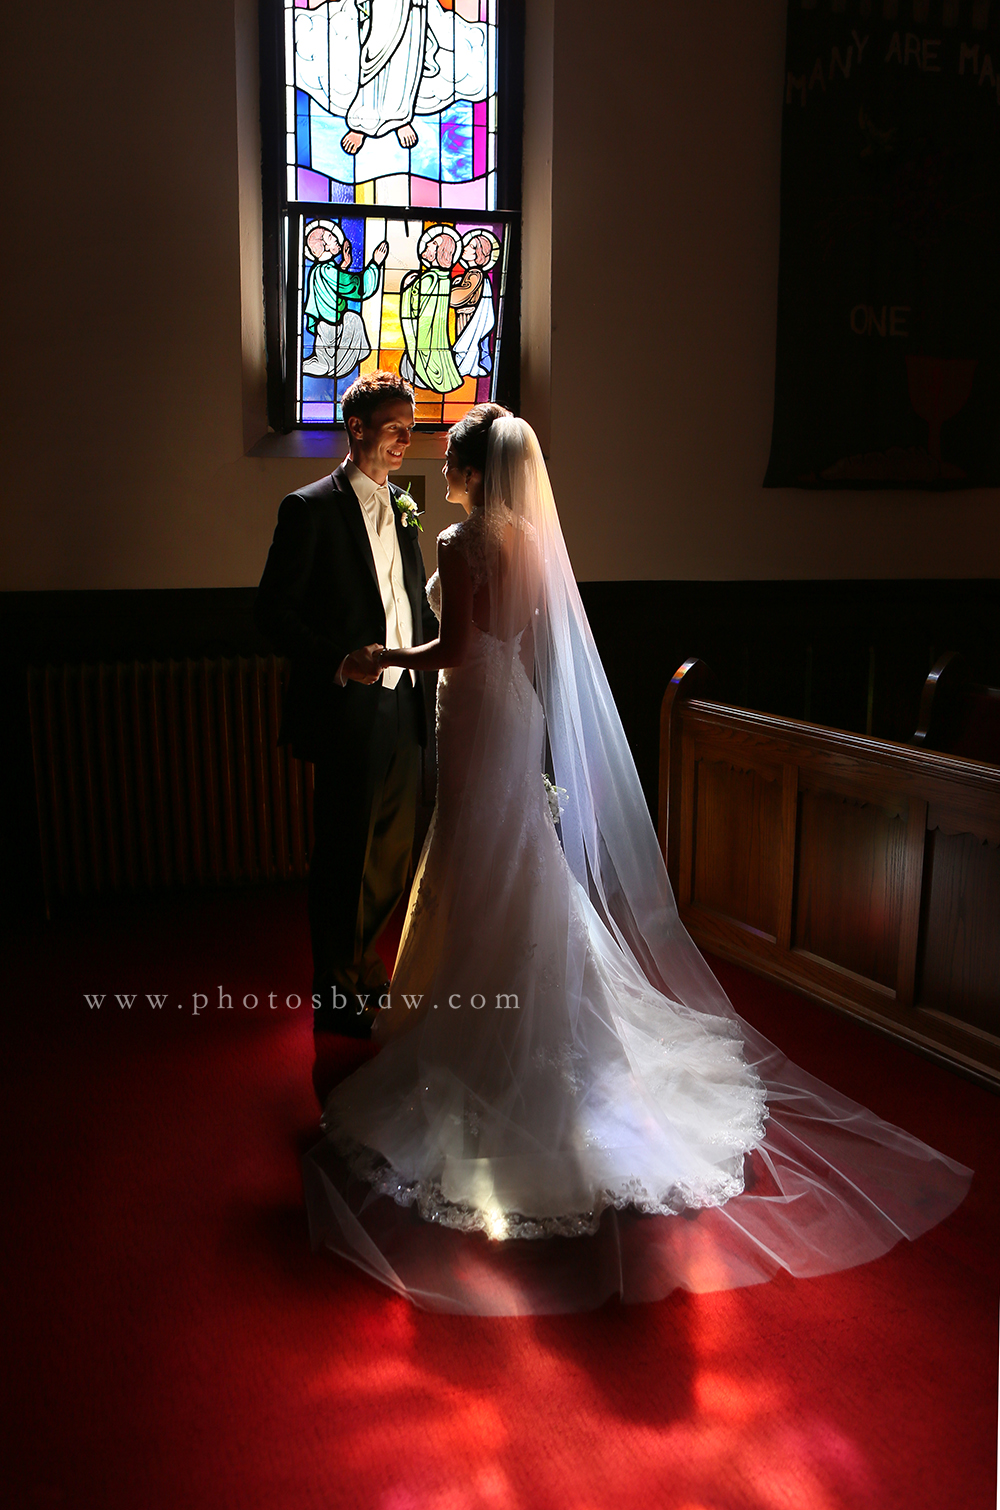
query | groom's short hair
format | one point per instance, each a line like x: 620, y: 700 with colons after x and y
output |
x: 369, y: 393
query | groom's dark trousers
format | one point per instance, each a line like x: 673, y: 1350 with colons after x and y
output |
x: 364, y: 812
x: 319, y: 599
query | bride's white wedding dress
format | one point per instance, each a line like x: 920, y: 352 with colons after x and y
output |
x: 543, y: 1125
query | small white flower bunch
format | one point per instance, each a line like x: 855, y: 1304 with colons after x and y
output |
x: 553, y: 793
x: 408, y: 510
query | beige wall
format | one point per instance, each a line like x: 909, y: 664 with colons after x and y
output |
x: 132, y: 377
x: 685, y: 292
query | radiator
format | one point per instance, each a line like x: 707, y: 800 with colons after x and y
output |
x: 165, y: 774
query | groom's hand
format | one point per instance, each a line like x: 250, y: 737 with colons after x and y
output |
x: 361, y: 665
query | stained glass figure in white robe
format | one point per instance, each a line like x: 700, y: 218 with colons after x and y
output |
x: 472, y: 300
x: 380, y: 62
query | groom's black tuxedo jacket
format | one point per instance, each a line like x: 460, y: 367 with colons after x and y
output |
x: 319, y: 599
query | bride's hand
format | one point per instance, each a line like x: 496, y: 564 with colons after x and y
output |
x: 363, y: 665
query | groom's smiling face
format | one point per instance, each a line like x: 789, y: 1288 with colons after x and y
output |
x: 379, y: 446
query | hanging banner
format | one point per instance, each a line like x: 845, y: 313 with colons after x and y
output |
x: 888, y: 347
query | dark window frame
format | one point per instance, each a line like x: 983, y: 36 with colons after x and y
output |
x: 278, y: 209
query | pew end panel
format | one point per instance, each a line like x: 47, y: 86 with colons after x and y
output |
x: 958, y: 715
x: 862, y: 872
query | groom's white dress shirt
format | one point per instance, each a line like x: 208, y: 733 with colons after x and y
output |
x: 380, y: 523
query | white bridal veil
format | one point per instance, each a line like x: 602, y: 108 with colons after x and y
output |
x: 621, y: 1130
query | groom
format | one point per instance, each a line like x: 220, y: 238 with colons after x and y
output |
x: 344, y: 575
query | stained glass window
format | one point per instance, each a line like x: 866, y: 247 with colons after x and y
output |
x: 395, y: 244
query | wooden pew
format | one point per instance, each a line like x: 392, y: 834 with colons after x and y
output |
x: 958, y: 715
x: 862, y: 872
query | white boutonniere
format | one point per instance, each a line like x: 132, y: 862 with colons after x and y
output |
x: 553, y: 793
x: 409, y: 513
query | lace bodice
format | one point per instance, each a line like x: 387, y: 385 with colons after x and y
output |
x: 473, y: 537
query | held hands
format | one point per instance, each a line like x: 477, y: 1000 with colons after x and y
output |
x: 363, y: 665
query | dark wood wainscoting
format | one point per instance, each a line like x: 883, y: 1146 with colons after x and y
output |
x: 862, y: 871
x: 849, y: 655
x: 73, y: 628
x: 852, y: 655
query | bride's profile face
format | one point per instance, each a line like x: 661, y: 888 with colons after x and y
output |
x: 457, y: 481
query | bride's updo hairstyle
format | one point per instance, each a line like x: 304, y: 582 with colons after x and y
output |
x: 469, y: 439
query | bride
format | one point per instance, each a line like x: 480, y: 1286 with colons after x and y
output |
x: 565, y: 1104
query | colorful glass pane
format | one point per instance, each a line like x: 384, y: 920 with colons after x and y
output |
x: 418, y: 296
x: 392, y: 102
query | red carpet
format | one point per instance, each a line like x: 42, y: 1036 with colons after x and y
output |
x: 172, y: 1344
